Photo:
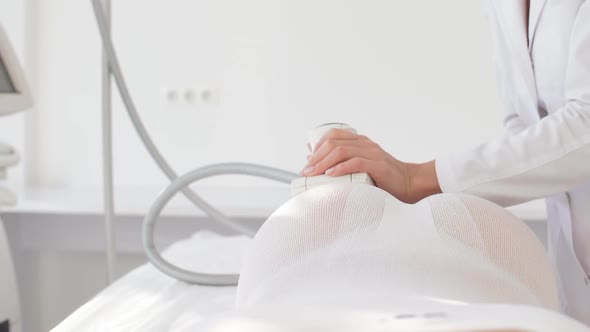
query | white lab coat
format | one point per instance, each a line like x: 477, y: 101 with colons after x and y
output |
x: 545, y: 88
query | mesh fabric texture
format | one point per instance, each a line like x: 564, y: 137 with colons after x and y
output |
x: 355, y: 245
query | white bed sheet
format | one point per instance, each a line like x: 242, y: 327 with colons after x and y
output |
x: 147, y: 300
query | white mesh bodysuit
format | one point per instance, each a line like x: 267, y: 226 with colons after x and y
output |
x: 357, y: 246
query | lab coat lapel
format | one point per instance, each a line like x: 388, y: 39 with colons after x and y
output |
x: 534, y: 16
x: 511, y: 17
x: 512, y: 13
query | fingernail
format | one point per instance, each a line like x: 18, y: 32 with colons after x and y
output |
x: 330, y: 171
x: 308, y: 170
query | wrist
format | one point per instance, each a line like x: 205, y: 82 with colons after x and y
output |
x: 423, y: 181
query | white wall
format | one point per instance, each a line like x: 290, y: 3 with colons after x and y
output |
x: 416, y: 76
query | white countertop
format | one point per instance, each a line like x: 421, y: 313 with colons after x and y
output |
x: 244, y: 202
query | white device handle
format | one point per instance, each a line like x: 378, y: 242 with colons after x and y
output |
x: 315, y: 135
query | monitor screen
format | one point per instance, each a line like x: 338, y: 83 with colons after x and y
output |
x: 6, y: 85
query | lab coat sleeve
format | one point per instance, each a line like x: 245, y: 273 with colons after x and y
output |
x: 547, y: 158
x: 513, y: 124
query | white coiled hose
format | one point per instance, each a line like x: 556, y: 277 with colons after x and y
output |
x: 179, y: 183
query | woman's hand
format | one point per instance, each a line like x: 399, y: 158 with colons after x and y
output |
x: 341, y: 152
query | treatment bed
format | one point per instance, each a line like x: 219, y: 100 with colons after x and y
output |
x: 147, y: 300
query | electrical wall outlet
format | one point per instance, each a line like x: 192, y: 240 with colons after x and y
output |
x: 190, y: 97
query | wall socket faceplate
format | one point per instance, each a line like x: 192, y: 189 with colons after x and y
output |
x: 190, y: 97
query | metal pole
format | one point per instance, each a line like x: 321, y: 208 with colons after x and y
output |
x: 107, y: 157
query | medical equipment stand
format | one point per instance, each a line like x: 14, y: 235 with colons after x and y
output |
x: 9, y: 298
x: 17, y: 98
x: 107, y: 156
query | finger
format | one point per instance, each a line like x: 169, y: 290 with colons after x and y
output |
x: 335, y: 157
x: 337, y: 134
x: 353, y: 165
x: 327, y: 147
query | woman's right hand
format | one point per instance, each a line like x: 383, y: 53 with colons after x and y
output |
x: 341, y: 152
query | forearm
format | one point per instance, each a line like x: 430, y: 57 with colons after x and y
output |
x: 423, y: 181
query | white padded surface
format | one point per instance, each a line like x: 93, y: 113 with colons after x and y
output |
x: 357, y: 246
x: 146, y: 300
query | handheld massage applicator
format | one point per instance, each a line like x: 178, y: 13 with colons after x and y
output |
x: 300, y: 185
